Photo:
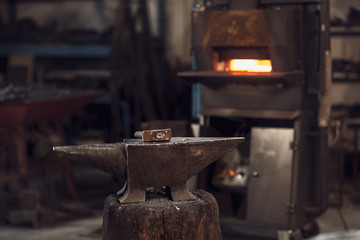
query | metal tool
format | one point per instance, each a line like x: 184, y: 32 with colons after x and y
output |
x: 153, y: 164
x: 158, y: 135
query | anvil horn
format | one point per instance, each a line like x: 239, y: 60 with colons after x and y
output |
x: 202, y: 154
x: 100, y: 156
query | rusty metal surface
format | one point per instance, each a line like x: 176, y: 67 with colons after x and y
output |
x: 256, y: 34
x: 238, y: 28
x: 153, y: 164
x: 158, y: 135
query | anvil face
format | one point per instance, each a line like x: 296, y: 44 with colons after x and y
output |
x: 158, y: 164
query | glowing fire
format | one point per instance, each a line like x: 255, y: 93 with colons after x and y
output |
x: 250, y: 65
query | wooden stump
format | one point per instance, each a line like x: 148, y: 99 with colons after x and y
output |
x: 161, y: 218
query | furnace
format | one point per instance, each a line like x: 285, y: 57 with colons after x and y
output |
x: 261, y: 69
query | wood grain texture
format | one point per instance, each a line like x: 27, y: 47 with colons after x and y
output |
x: 161, y: 218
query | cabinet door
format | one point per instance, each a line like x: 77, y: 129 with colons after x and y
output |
x: 270, y: 176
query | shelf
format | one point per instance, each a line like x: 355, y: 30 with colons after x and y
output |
x: 290, y: 1
x: 346, y: 80
x: 213, y: 78
x: 245, y: 113
x: 346, y: 77
x: 100, y: 51
x: 345, y: 31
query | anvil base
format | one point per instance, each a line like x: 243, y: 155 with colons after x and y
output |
x: 160, y: 218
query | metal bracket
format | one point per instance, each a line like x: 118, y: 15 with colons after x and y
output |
x: 294, y: 145
x: 290, y: 208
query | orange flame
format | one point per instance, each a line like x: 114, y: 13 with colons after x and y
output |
x: 250, y: 65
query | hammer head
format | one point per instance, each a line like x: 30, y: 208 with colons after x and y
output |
x: 154, y: 164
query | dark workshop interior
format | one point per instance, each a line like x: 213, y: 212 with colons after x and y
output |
x: 255, y: 107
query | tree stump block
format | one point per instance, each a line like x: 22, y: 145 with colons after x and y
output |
x: 160, y: 218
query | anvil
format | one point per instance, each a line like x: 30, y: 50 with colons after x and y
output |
x: 153, y: 164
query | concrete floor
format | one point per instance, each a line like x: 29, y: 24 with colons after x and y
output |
x: 84, y: 229
x: 331, y: 221
x: 95, y: 189
x: 342, y: 220
x: 90, y: 228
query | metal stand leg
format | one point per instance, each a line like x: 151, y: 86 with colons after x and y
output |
x: 21, y: 155
x: 4, y: 167
x: 355, y: 160
x: 69, y: 178
x: 66, y: 165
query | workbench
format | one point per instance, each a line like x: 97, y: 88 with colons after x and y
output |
x: 16, y: 115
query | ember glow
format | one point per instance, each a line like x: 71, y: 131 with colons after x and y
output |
x: 250, y: 65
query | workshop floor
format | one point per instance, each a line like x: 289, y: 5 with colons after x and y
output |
x: 95, y: 186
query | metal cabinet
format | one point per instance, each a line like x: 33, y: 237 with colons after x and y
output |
x: 271, y: 159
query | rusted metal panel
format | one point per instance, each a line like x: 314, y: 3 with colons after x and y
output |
x: 266, y: 34
x: 238, y: 28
